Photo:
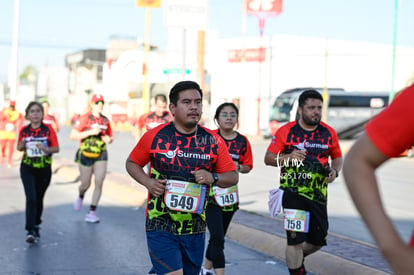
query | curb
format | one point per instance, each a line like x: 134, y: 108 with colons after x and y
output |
x: 249, y: 229
x: 320, y: 263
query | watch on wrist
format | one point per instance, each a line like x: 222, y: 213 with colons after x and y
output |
x: 336, y: 172
x: 215, y: 177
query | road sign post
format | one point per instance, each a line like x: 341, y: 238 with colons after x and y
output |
x: 262, y: 9
x: 147, y: 4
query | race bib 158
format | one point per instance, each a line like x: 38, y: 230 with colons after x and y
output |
x: 296, y: 220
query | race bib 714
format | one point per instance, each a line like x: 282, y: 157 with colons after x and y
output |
x: 32, y: 150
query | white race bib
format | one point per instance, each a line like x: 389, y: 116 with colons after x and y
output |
x: 32, y: 150
x: 226, y: 196
x: 185, y: 196
x: 9, y: 127
x: 296, y: 220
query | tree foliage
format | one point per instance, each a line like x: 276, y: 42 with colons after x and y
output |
x: 29, y: 73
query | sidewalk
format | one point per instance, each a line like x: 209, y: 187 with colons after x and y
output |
x: 261, y: 233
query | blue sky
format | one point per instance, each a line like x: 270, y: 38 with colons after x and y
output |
x: 50, y: 29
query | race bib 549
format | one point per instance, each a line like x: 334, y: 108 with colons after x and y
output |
x: 185, y: 196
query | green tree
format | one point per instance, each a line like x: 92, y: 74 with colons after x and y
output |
x: 29, y: 73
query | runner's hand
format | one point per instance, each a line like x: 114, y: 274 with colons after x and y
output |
x: 156, y: 187
x: 106, y: 139
x: 331, y: 176
x: 94, y: 131
x: 203, y: 176
x: 297, y: 154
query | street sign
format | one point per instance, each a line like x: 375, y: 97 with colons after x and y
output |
x: 186, y: 14
x: 176, y: 71
x: 148, y: 3
x: 270, y: 7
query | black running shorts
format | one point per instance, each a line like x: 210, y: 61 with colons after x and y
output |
x: 318, y: 226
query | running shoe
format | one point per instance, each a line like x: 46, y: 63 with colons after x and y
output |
x: 206, y: 271
x: 30, y: 237
x: 78, y: 204
x: 36, y: 232
x: 91, y: 217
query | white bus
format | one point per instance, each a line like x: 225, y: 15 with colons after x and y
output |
x: 347, y: 112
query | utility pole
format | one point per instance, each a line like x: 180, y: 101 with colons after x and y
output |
x: 394, y: 46
x: 147, y: 4
x: 262, y: 10
x: 13, y: 66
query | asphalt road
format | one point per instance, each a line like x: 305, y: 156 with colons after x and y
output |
x: 69, y: 245
x: 395, y: 179
x: 117, y: 245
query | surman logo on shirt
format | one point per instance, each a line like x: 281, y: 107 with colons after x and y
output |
x: 170, y: 154
x: 305, y: 144
x: 301, y: 146
x: 177, y: 152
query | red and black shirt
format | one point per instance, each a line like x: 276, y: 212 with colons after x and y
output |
x: 173, y: 155
x: 307, y: 178
x: 240, y: 151
x: 44, y: 134
x: 88, y: 121
x: 152, y: 120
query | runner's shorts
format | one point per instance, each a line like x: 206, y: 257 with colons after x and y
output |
x: 81, y: 159
x: 169, y: 252
x: 318, y: 226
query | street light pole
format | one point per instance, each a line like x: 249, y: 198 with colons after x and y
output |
x: 257, y: 8
x: 147, y: 4
x: 262, y: 54
x: 13, y: 67
x: 394, y: 46
x: 145, y: 85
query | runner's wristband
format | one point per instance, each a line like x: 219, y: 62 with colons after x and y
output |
x: 336, y: 171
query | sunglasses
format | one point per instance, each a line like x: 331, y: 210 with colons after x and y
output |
x: 100, y: 101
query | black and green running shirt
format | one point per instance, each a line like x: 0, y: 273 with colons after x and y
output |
x: 173, y: 155
x: 307, y: 178
x: 240, y: 151
x: 44, y: 134
x: 87, y: 122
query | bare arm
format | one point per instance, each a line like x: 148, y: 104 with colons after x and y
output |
x: 359, y: 172
x: 241, y: 168
x: 244, y: 169
x: 21, y: 146
x: 336, y: 166
x: 107, y: 139
x: 154, y: 186
x: 226, y: 179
